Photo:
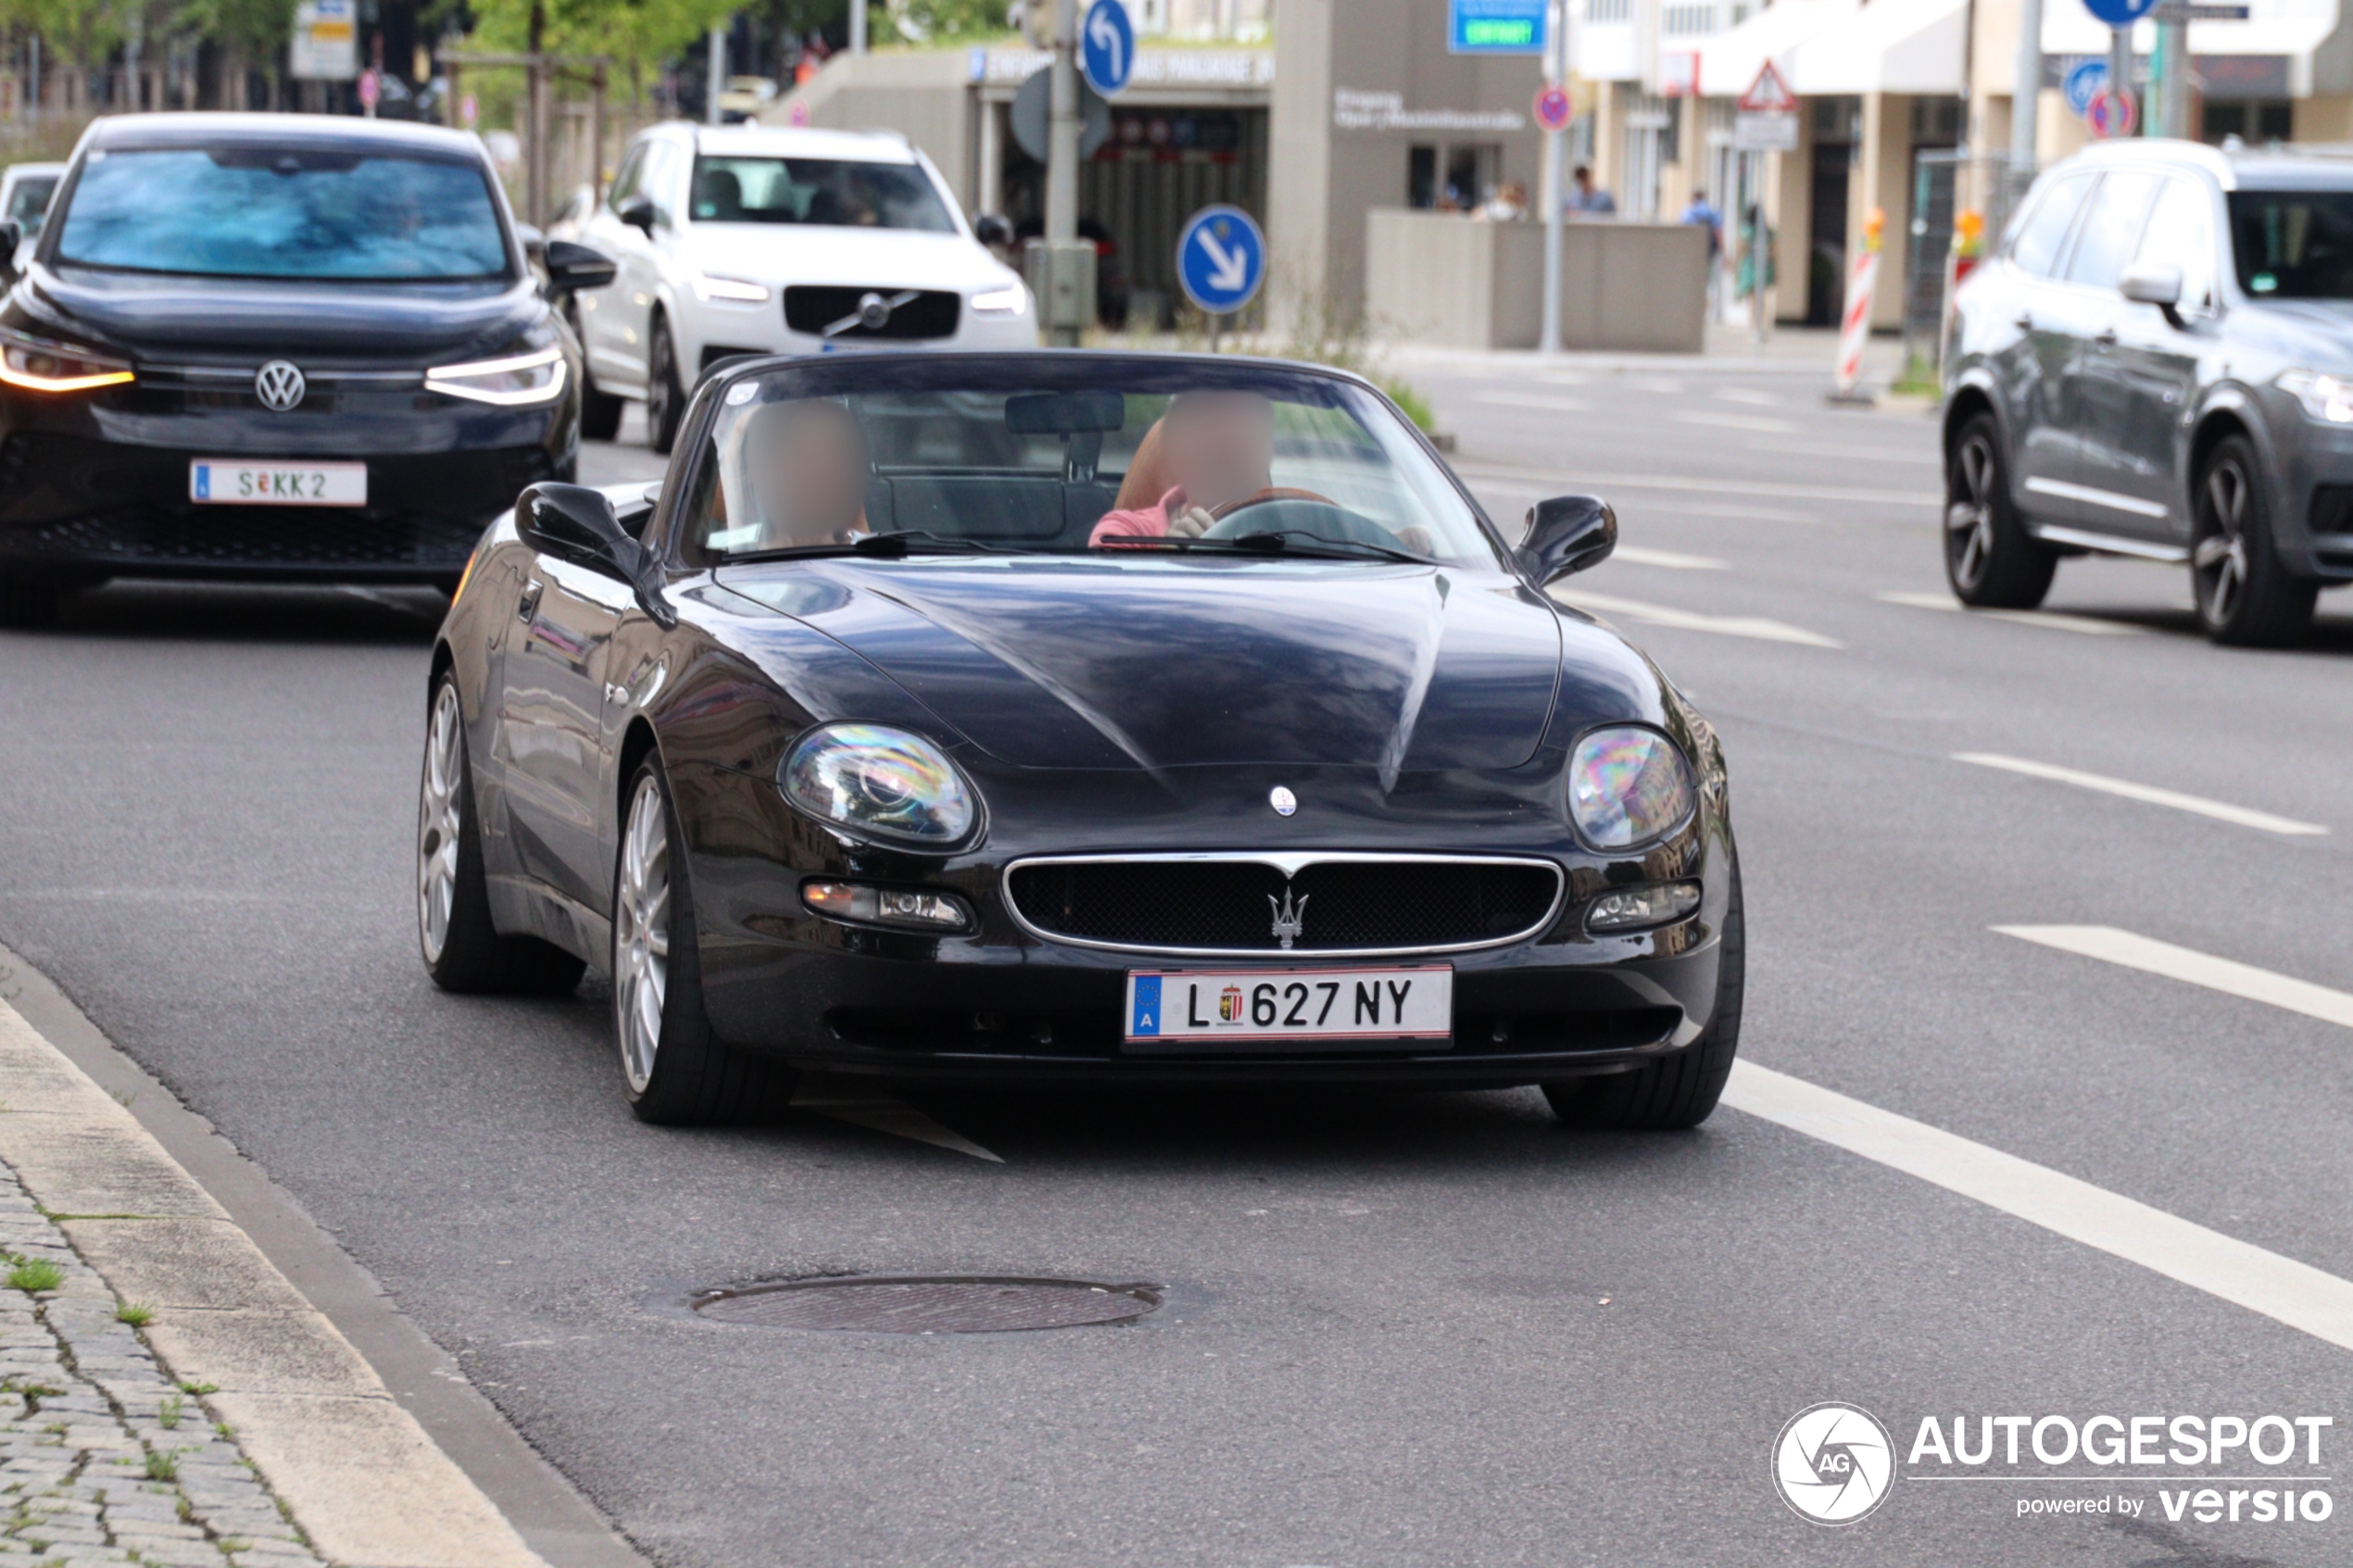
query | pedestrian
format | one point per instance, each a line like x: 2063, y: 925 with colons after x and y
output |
x: 1586, y: 199
x: 1508, y: 204
x: 1699, y: 212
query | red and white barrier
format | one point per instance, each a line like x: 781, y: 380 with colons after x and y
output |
x: 1857, y: 329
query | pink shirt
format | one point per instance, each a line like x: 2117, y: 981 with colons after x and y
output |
x: 1139, y: 522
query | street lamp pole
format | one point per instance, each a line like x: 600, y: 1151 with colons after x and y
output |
x: 1555, y: 75
x: 716, y: 70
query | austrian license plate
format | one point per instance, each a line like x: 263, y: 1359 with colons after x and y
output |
x: 237, y: 484
x: 1196, y: 1009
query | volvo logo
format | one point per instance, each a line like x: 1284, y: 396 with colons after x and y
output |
x: 279, y: 385
x: 874, y: 312
x: 1290, y: 918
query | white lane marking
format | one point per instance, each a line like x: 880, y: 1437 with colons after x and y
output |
x: 2052, y: 619
x: 1753, y: 398
x: 2187, y: 964
x: 1561, y: 481
x: 1686, y: 620
x: 1737, y: 421
x: 1532, y: 400
x: 2280, y: 1288
x: 2224, y: 811
x: 1827, y: 449
x: 1641, y: 555
x: 887, y: 1115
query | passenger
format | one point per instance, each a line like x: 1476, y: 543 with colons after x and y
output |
x: 809, y: 465
x: 1213, y: 448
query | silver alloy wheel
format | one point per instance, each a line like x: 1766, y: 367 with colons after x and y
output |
x: 439, y: 821
x: 2220, y: 557
x: 1971, y: 511
x: 641, y: 935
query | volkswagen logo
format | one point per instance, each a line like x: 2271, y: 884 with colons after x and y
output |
x: 1834, y: 1464
x: 279, y: 385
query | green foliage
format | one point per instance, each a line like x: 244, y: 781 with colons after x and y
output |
x: 35, y: 1274
x: 1415, y: 406
x: 138, y: 1314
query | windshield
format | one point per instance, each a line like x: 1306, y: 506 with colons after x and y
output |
x: 29, y: 202
x: 808, y: 190
x: 1286, y: 464
x: 2293, y: 245
x: 283, y: 212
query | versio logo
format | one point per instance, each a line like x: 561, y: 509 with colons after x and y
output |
x: 1834, y: 1464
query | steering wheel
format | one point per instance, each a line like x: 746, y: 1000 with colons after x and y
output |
x: 1280, y: 509
x: 1275, y: 493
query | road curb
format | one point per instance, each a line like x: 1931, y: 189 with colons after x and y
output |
x: 358, y: 1473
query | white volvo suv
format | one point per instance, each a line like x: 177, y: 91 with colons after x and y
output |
x: 748, y: 240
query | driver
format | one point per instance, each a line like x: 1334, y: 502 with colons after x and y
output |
x: 1211, y: 448
x: 808, y: 467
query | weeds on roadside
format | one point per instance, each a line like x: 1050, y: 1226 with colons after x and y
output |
x: 167, y: 1412
x: 162, y: 1465
x: 138, y: 1314
x: 33, y: 1276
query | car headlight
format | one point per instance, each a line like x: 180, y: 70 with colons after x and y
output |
x: 1638, y: 909
x: 1003, y: 302
x: 1627, y: 787
x: 734, y: 291
x: 40, y: 364
x: 881, y: 783
x: 2326, y: 398
x: 512, y: 383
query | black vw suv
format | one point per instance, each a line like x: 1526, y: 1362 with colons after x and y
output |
x: 275, y: 347
x: 2160, y: 363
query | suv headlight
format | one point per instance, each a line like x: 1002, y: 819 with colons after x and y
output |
x: 881, y: 783
x: 734, y: 291
x: 1628, y: 786
x: 1003, y: 302
x: 40, y: 364
x: 510, y: 382
x: 2326, y: 398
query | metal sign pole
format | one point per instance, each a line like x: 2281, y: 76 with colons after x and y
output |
x: 1556, y: 74
x: 2026, y: 94
x: 2119, y: 64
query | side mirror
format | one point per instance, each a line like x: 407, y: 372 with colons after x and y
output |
x: 2157, y: 284
x: 574, y: 267
x: 639, y: 213
x: 577, y: 523
x: 1567, y: 534
x: 992, y: 231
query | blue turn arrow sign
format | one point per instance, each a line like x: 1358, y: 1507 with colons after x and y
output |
x: 1107, y: 48
x: 1221, y: 259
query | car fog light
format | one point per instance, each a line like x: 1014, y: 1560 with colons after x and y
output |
x: 887, y: 906
x: 1633, y: 909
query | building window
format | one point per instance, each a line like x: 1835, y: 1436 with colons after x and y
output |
x: 2257, y: 120
x: 1609, y: 10
x: 1421, y: 178
x: 1453, y: 177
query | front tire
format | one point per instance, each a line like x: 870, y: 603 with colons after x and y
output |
x: 27, y: 604
x: 463, y: 949
x: 1677, y: 1091
x: 2246, y: 597
x: 1990, y: 561
x: 665, y: 399
x: 675, y: 1071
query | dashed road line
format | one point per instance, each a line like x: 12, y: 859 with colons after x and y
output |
x: 2280, y: 1288
x: 2246, y: 817
x: 1737, y: 421
x: 1754, y: 626
x: 1673, y: 559
x: 2132, y: 950
x: 1533, y: 401
x: 1827, y: 449
x: 2052, y: 619
x: 1753, y: 398
x: 1562, y: 482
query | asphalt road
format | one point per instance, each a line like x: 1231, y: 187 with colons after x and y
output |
x: 1401, y: 1328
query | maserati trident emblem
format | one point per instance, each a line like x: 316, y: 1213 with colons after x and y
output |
x: 1282, y: 800
x: 1289, y: 917
x: 279, y: 385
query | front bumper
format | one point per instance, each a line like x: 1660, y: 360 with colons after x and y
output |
x: 98, y: 485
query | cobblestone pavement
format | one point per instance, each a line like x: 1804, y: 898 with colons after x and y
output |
x: 103, y: 1458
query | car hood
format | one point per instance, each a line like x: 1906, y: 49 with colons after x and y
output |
x: 1164, y: 664
x: 781, y: 254
x: 154, y: 316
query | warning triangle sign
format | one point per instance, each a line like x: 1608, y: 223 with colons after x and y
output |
x: 1768, y: 93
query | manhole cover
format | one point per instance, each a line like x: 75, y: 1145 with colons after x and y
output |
x: 963, y: 1305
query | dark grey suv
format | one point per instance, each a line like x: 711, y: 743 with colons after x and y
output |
x: 2160, y: 363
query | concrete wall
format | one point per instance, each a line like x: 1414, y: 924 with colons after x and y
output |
x: 1436, y: 278
x: 923, y: 95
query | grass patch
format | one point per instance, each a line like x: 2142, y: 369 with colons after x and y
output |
x: 138, y: 1314
x: 200, y: 1389
x: 1415, y: 405
x: 162, y: 1466
x: 34, y: 1276
x: 167, y: 1412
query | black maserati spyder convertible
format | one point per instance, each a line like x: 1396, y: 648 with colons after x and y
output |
x: 1081, y: 715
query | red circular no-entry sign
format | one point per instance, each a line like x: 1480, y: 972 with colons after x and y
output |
x: 1552, y: 108
x: 2110, y: 115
